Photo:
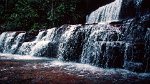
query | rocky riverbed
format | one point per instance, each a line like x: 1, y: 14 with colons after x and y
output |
x: 57, y: 72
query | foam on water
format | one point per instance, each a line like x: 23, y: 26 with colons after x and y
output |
x: 92, y: 72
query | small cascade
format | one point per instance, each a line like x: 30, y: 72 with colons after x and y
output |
x: 109, y: 12
x: 17, y: 42
x: 10, y: 41
x: 49, y: 42
x: 102, y: 46
x: 39, y: 36
x: 39, y: 46
x: 25, y: 48
x: 49, y: 35
x: 2, y: 39
x: 66, y: 36
x: 43, y: 44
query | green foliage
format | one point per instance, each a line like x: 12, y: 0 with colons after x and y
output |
x: 36, y: 14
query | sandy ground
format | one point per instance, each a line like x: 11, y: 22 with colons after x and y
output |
x: 44, y: 72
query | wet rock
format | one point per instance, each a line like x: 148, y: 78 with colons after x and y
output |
x: 136, y: 34
x: 134, y: 8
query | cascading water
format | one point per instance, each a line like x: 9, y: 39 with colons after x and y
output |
x: 2, y: 38
x: 64, y: 40
x: 43, y: 43
x: 10, y: 41
x: 18, y: 39
x: 49, y: 35
x: 39, y: 46
x: 102, y: 46
x: 106, y: 13
x: 106, y: 45
x: 39, y: 36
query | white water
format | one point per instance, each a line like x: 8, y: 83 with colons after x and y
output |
x: 2, y: 37
x: 39, y: 48
x: 10, y: 41
x: 20, y: 57
x: 106, y: 13
x: 99, y: 44
x: 64, y: 39
x: 50, y: 35
x: 39, y: 36
x: 92, y: 72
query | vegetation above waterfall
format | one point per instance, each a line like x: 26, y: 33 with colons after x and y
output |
x: 42, y: 14
x: 36, y: 14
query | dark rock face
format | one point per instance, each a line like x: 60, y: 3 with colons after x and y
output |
x: 30, y: 36
x: 136, y: 34
x: 90, y: 5
x: 134, y: 8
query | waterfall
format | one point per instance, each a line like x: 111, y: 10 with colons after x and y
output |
x: 108, y: 45
x: 10, y: 41
x: 42, y: 44
x: 109, y: 12
x: 39, y: 36
x: 100, y: 47
x: 39, y: 46
x: 18, y: 39
x: 64, y: 40
x: 47, y: 42
x: 25, y: 48
x: 49, y: 35
x: 2, y: 38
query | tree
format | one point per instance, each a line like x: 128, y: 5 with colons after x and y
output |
x: 37, y: 14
